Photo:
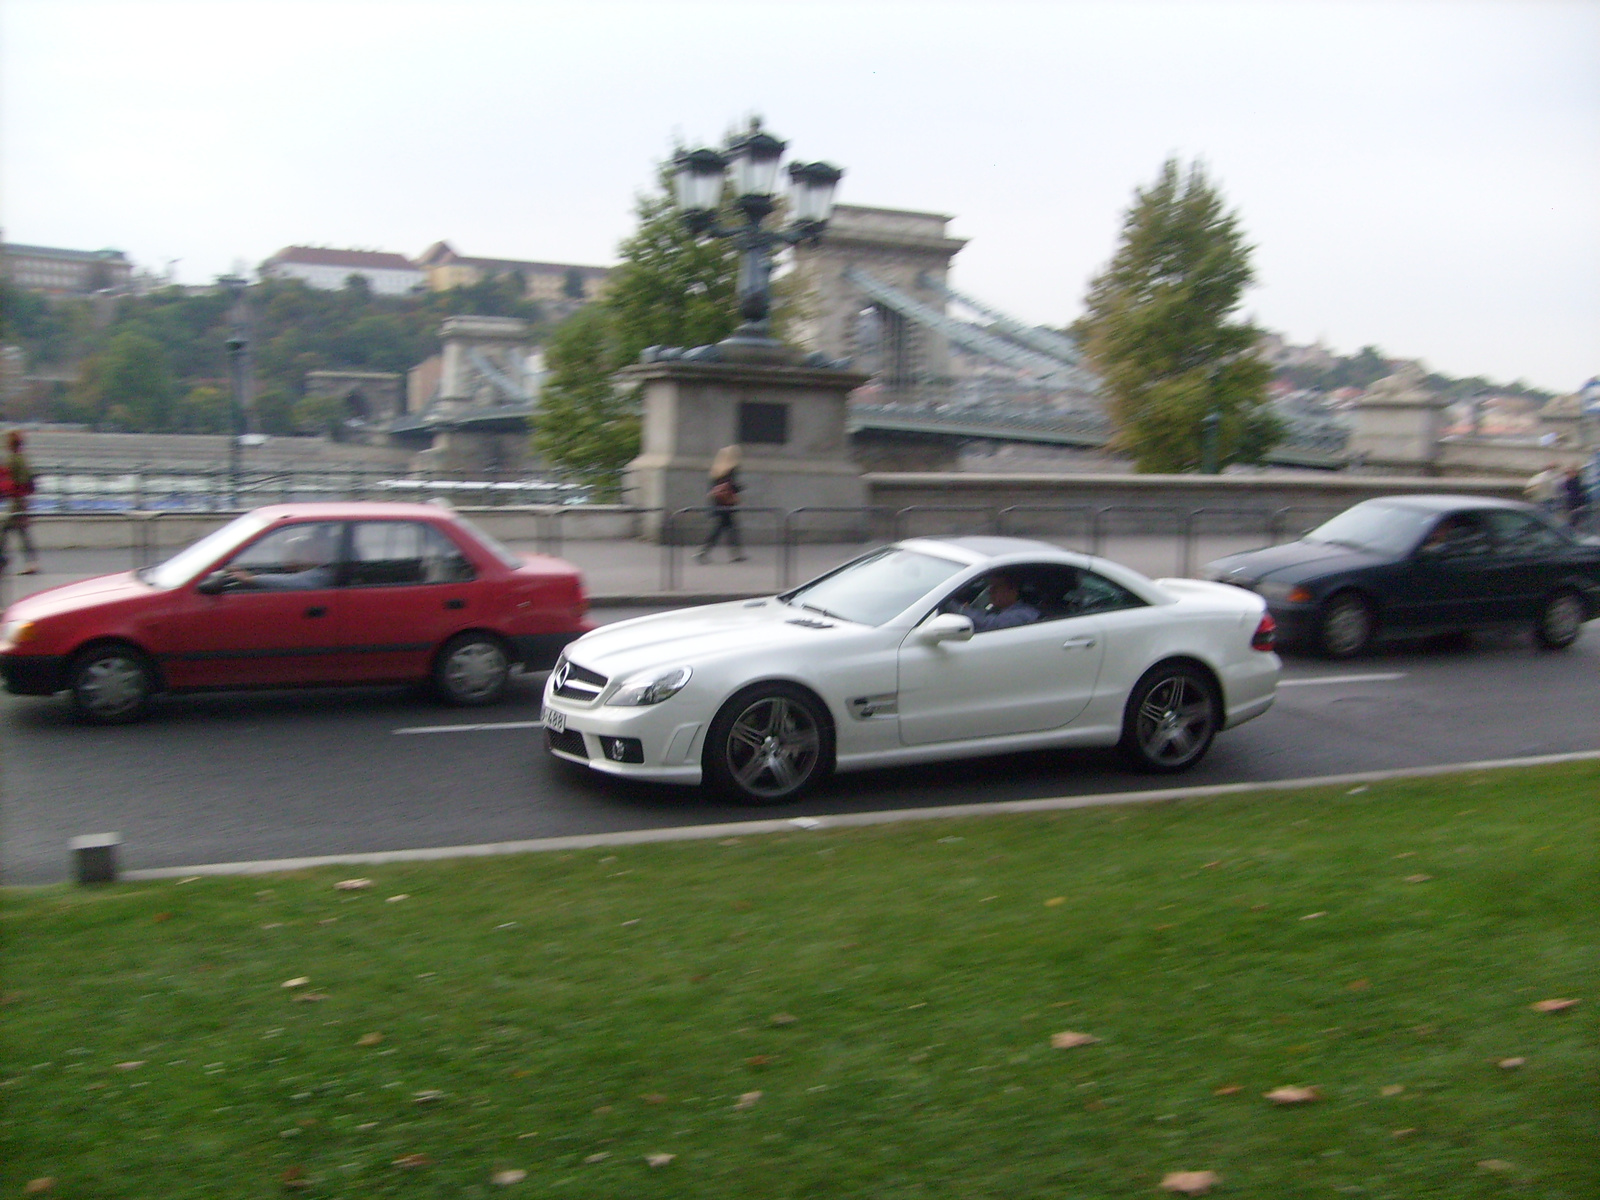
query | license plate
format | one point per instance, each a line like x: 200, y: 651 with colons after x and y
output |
x: 555, y: 721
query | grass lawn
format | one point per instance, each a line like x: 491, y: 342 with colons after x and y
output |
x: 862, y: 1012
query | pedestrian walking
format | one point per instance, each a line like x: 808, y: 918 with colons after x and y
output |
x: 1544, y: 489
x: 723, y: 494
x: 1575, y: 497
x: 16, y: 485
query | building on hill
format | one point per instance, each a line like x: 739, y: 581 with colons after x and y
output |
x: 65, y: 272
x: 554, y: 284
x: 319, y: 267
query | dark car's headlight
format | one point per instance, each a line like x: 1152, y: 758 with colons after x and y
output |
x: 650, y: 687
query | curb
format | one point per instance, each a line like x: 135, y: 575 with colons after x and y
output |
x: 689, y: 833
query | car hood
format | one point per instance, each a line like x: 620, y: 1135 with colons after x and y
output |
x: 696, y: 635
x: 70, y: 597
x: 1292, y: 560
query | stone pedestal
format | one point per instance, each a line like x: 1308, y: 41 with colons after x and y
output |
x: 1398, y: 424
x: 788, y: 419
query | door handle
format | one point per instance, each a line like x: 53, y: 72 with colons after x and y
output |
x: 455, y: 603
x: 1078, y: 643
x: 316, y: 610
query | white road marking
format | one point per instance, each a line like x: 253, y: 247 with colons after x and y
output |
x: 1376, y: 678
x: 470, y: 728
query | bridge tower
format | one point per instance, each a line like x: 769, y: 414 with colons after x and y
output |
x: 910, y: 252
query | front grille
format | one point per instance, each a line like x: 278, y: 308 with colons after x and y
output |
x: 577, y: 683
x: 568, y: 741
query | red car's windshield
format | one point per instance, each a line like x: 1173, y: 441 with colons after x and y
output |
x: 188, y: 562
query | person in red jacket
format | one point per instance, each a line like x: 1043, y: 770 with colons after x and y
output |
x: 16, y: 485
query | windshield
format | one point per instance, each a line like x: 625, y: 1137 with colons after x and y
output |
x: 188, y: 562
x: 875, y: 588
x: 1379, y: 528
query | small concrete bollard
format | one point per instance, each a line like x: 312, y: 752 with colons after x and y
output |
x: 94, y: 857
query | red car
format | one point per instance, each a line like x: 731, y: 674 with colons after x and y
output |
x: 300, y: 594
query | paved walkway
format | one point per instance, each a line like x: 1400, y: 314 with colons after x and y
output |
x: 628, y: 573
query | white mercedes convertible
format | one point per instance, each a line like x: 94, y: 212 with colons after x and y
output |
x: 932, y: 648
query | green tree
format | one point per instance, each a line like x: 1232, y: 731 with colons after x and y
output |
x: 275, y: 412
x: 203, y: 409
x: 128, y: 385
x: 1160, y: 334
x: 585, y: 422
x: 670, y: 289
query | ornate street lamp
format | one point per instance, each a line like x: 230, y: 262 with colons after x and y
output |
x: 749, y: 163
x: 238, y: 345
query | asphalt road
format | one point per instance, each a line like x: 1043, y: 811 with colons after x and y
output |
x: 222, y: 778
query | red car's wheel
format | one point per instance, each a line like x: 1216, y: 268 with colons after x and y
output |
x: 472, y: 669
x: 111, y: 684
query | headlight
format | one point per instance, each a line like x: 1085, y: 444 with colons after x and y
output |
x: 1293, y: 593
x: 14, y: 633
x: 650, y: 688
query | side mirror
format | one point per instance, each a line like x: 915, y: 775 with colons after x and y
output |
x: 946, y: 627
x: 214, y: 583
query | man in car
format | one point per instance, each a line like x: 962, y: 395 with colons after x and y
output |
x: 307, y: 566
x: 1005, y: 609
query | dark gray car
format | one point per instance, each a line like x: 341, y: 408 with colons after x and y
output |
x: 1404, y: 566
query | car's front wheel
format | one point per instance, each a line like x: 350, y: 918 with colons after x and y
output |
x: 768, y: 745
x: 1170, y: 720
x: 1560, y: 620
x: 1346, y: 625
x: 472, y: 669
x: 111, y: 684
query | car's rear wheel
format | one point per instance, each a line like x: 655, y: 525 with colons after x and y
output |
x: 1171, y: 718
x: 111, y: 684
x: 1560, y: 620
x: 1346, y: 625
x: 472, y: 670
x: 768, y: 745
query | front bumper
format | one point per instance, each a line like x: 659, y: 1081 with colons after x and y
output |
x: 539, y: 651
x: 34, y: 674
x: 665, y: 738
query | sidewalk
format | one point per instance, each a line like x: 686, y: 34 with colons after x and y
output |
x: 632, y: 573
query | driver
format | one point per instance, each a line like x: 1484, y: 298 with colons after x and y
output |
x: 1005, y: 609
x: 307, y: 562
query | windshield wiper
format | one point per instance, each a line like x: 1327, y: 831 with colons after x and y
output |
x: 819, y: 609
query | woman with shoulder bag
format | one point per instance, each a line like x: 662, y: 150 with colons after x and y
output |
x: 724, y: 497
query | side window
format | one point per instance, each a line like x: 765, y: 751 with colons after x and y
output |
x: 304, y: 555
x: 1518, y: 534
x: 1461, y: 535
x: 1097, y: 594
x: 396, y: 553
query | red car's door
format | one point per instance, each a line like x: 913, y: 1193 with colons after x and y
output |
x: 276, y: 621
x: 407, y: 588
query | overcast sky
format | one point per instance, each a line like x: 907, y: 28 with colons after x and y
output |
x: 1420, y: 176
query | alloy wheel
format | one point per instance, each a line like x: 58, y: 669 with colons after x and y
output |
x: 1175, y: 721
x: 773, y: 747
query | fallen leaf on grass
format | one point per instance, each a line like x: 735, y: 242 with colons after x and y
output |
x: 1391, y: 1089
x: 1230, y: 1090
x: 369, y: 1039
x: 1293, y: 1095
x: 1358, y: 985
x: 159, y: 917
x: 397, y: 899
x: 308, y: 997
x: 783, y: 1018
x: 130, y: 1065
x: 653, y: 1098
x: 327, y: 920
x: 1055, y: 901
x: 659, y: 1160
x: 1400, y: 1133
x: 731, y: 842
x: 1552, y: 1006
x: 297, y: 981
x: 1093, y: 1105
x: 1510, y: 1064
x: 1418, y: 878
x: 352, y: 885
x: 1067, y: 1040
x: 427, y: 1096
x: 601, y: 1157
x: 413, y: 1160
x: 507, y: 1178
x: 295, y: 1178
x: 748, y: 1100
x: 1495, y: 1164
x: 36, y: 1186
x: 1190, y: 1183
x: 1313, y: 916
x: 758, y: 1060
x: 603, y: 1110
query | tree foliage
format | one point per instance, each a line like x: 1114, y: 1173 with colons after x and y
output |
x: 669, y: 289
x: 127, y: 386
x: 1159, y: 330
